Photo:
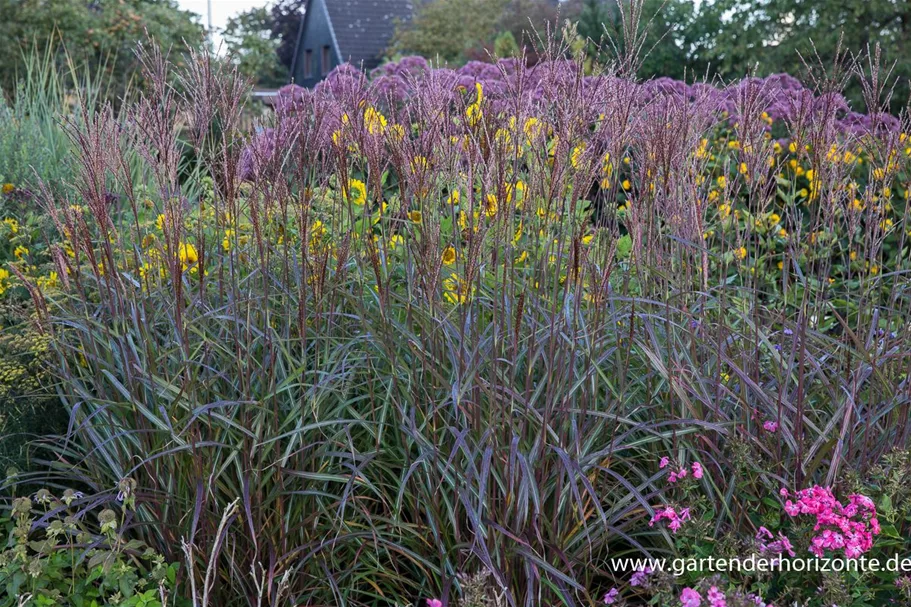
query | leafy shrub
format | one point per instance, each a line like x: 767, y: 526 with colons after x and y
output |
x: 55, y: 555
x: 442, y: 322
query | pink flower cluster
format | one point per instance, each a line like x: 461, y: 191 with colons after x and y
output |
x: 690, y: 598
x: 716, y: 598
x: 848, y: 527
x: 675, y: 519
x: 682, y: 473
x: 769, y: 545
x: 770, y: 426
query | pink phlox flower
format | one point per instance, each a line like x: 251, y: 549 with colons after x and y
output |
x: 690, y: 598
x: 611, y: 597
x: 848, y: 527
x: 697, y: 470
x: 770, y: 426
x: 674, y: 519
x: 716, y: 597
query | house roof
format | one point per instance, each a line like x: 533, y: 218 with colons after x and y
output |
x: 364, y: 28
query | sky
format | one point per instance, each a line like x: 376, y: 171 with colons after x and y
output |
x: 222, y: 10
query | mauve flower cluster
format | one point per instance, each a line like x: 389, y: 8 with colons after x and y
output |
x: 782, y: 97
x: 848, y: 527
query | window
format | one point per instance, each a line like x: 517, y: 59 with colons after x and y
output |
x: 308, y: 63
x: 325, y: 61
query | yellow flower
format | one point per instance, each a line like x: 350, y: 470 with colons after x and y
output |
x: 522, y: 257
x: 626, y: 184
x: 317, y: 230
x: 741, y: 253
x: 187, y: 255
x: 357, y: 192
x: 227, y: 240
x: 396, y: 241
x: 20, y: 252
x: 4, y: 276
x: 743, y: 168
x: 13, y: 224
x: 576, y: 157
x: 8, y: 188
x: 456, y: 290
x: 159, y: 222
x: 454, y: 197
x: 532, y: 129
x: 374, y: 121
x: 490, y: 205
x: 473, y: 114
x: 419, y: 163
x: 48, y: 282
x: 724, y: 210
x: 722, y: 181
x: 449, y: 256
x: 415, y: 216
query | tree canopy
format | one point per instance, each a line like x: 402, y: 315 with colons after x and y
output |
x: 98, y: 34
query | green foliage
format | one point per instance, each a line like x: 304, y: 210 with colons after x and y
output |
x: 448, y: 29
x: 250, y: 43
x: 99, y: 35
x: 771, y: 35
x: 456, y: 31
x: 54, y: 554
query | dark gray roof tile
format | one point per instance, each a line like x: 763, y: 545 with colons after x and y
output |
x: 364, y: 28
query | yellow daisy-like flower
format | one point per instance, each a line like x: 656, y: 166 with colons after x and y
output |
x: 187, y: 254
x: 473, y: 114
x: 490, y: 205
x: 396, y: 241
x: 456, y: 290
x: 449, y: 255
x: 374, y: 121
x: 419, y: 163
x: 576, y: 158
x: 532, y: 129
x: 722, y: 181
x: 416, y: 216
x: 4, y: 277
x: 455, y: 197
x: 48, y: 282
x: 159, y: 223
x: 227, y: 240
x: 8, y: 188
x: 20, y: 252
x: 357, y: 192
x: 12, y: 224
x: 740, y: 253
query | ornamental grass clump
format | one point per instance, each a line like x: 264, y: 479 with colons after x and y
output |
x: 433, y: 322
